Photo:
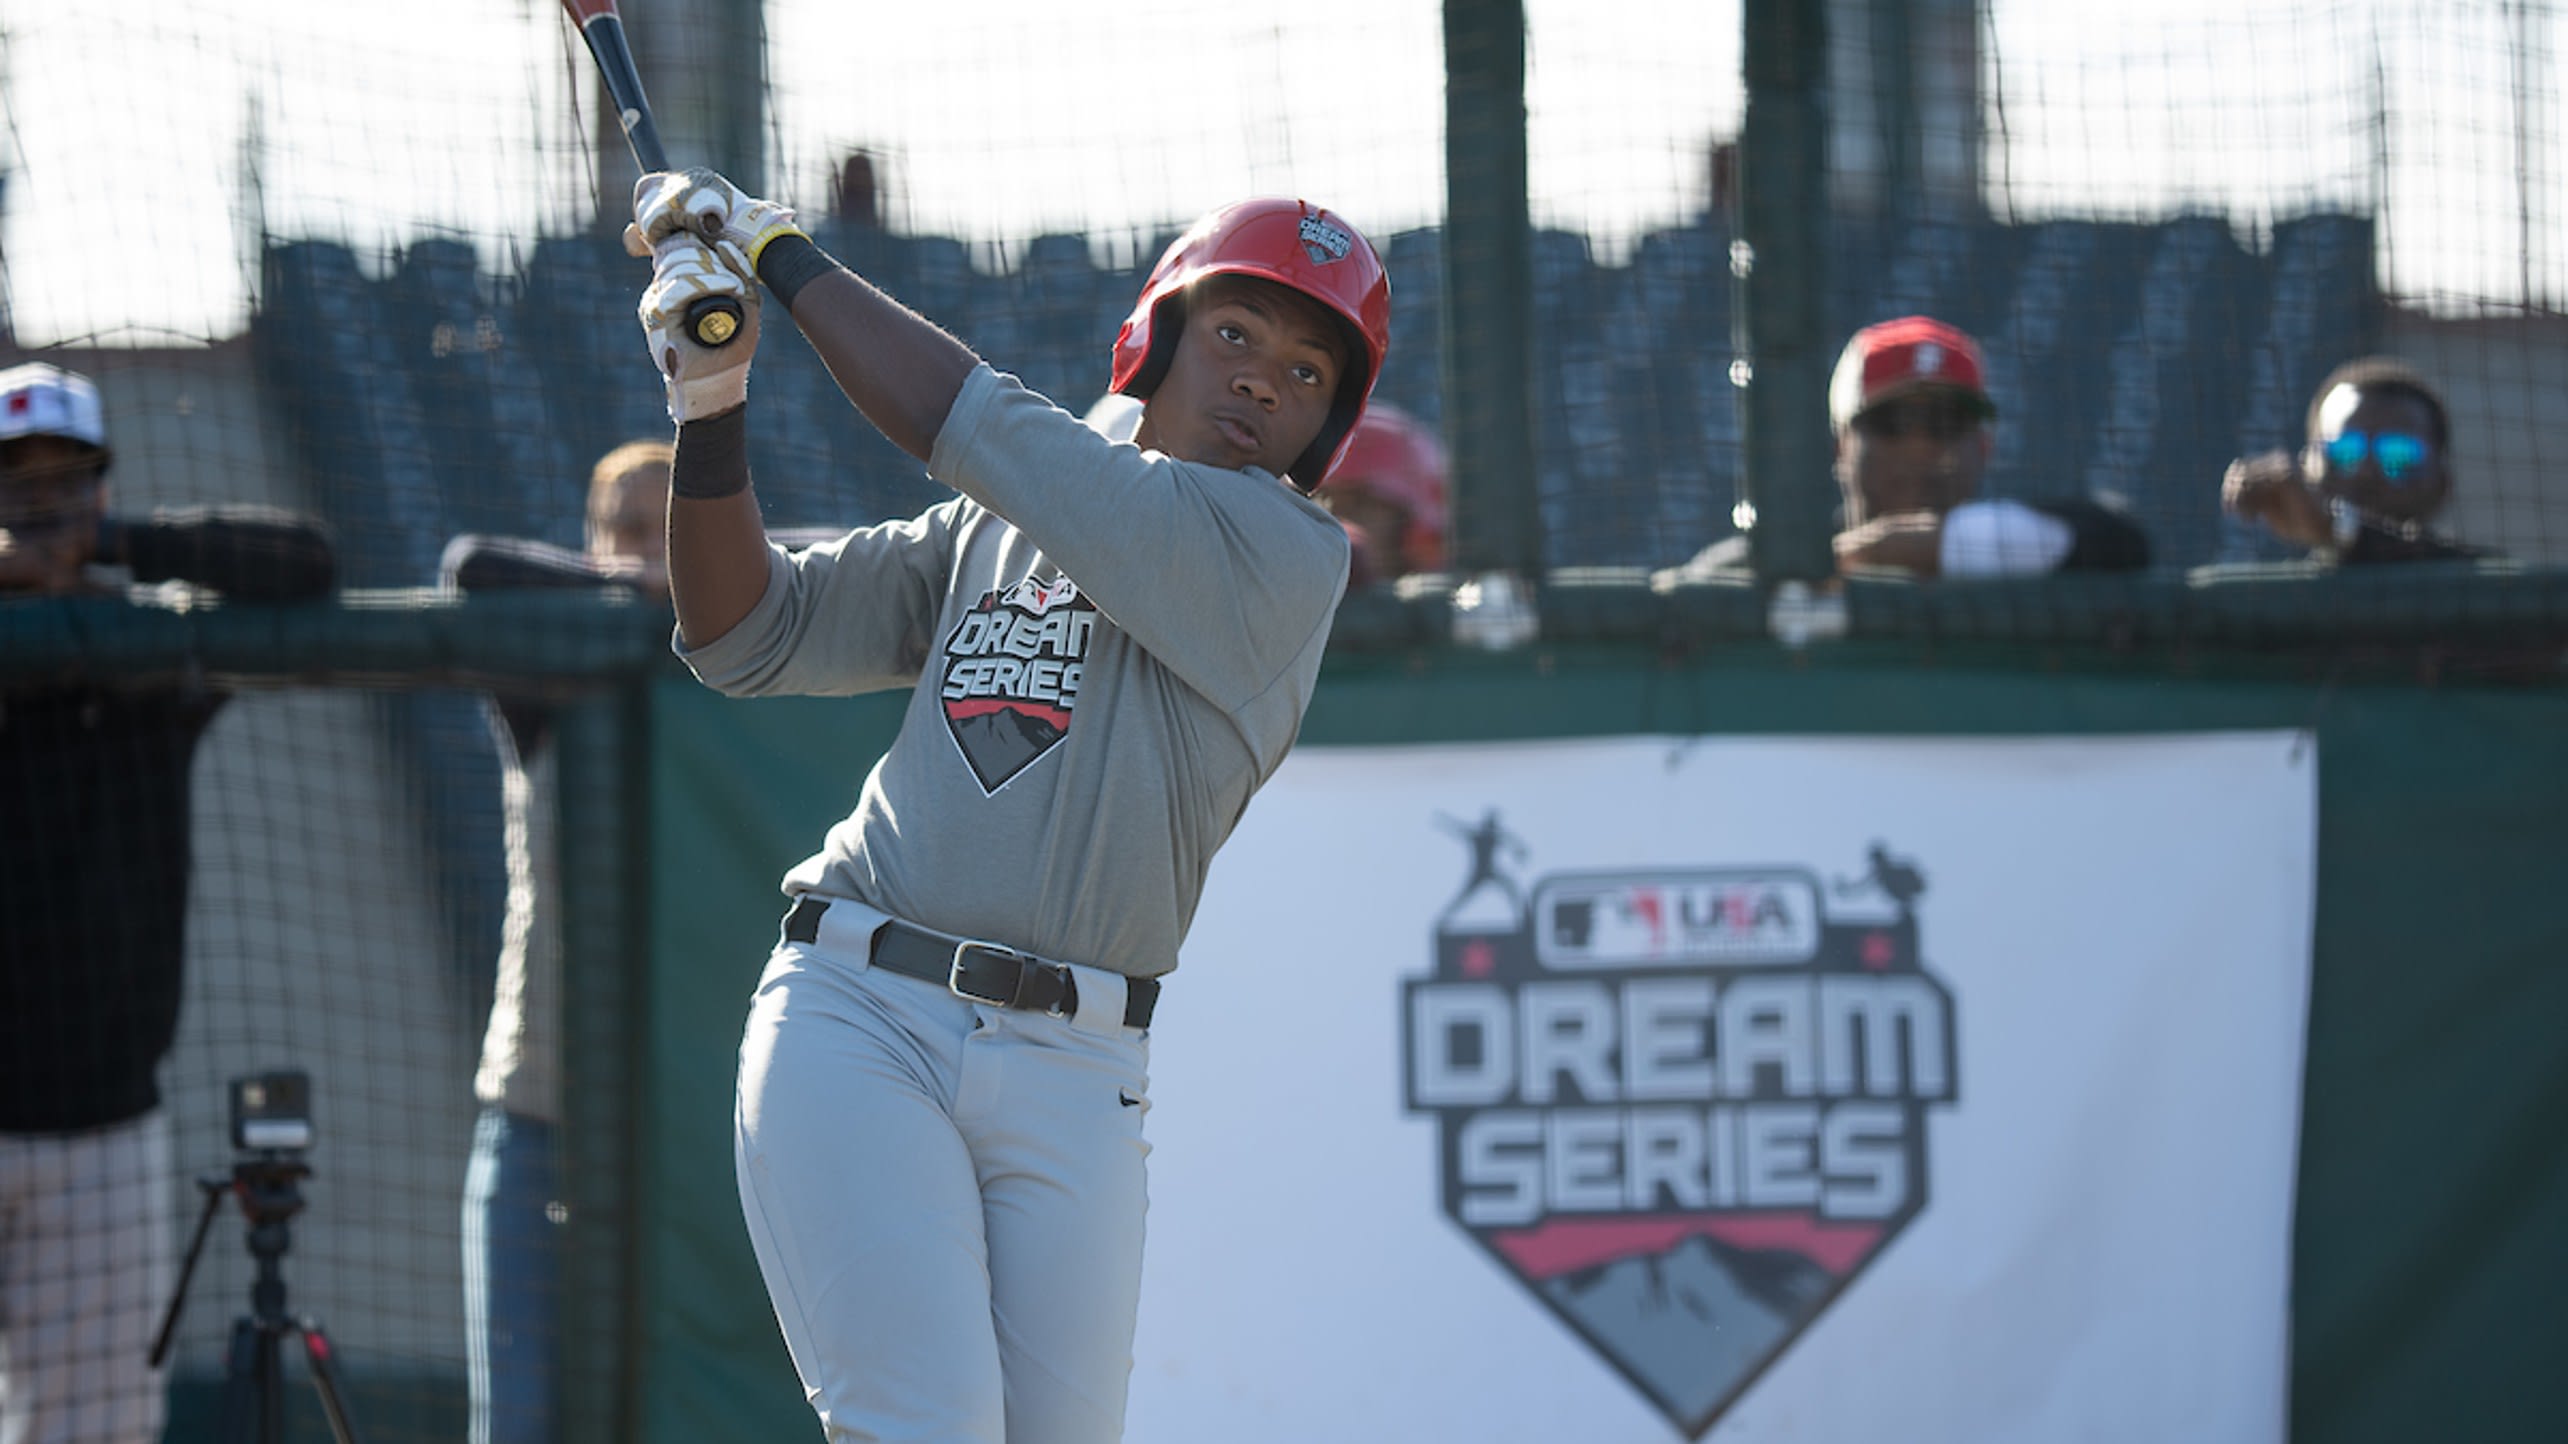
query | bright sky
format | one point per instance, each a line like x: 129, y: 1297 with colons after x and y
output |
x: 146, y: 143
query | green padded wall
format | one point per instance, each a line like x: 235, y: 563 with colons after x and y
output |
x: 2433, y: 1213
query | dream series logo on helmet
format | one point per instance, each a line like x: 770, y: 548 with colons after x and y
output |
x: 1012, y: 672
x: 1324, y: 241
x: 1685, y: 1107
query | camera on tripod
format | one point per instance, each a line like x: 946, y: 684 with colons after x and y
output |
x: 271, y: 1126
x: 272, y: 1112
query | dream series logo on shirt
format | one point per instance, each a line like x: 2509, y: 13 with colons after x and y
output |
x: 1684, y: 1107
x: 1012, y: 668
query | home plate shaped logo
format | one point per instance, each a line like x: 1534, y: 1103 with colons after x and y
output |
x: 1685, y: 1107
x: 1012, y: 667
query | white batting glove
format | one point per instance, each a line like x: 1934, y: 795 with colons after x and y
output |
x: 701, y: 382
x: 701, y: 203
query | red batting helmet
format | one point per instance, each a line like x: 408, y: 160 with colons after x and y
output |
x: 1399, y: 458
x: 1292, y: 243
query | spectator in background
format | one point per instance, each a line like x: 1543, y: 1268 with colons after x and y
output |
x: 857, y: 198
x: 1389, y: 491
x: 1913, y: 421
x: 511, y: 1206
x: 93, y: 904
x: 2377, y: 467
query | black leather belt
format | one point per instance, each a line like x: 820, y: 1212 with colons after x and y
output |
x: 981, y: 972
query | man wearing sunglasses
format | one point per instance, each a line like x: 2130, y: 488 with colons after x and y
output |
x: 2376, y: 470
x: 1913, y: 418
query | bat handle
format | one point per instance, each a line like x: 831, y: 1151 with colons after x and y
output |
x: 713, y: 322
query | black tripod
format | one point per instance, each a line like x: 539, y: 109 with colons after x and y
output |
x: 254, y: 1374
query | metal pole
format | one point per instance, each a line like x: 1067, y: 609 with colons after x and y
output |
x: 1488, y: 291
x: 1780, y: 269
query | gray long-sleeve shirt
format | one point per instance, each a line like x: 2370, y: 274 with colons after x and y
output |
x: 1110, y: 651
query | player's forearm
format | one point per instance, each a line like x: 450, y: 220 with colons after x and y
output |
x: 249, y: 554
x: 477, y: 563
x: 717, y: 564
x: 900, y: 369
x: 1911, y: 543
x: 717, y: 540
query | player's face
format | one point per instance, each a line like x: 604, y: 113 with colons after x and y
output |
x: 2376, y: 449
x: 628, y: 523
x: 1255, y: 373
x: 1926, y: 451
x: 51, y: 498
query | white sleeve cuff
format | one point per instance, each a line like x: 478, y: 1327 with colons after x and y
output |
x: 2003, y: 539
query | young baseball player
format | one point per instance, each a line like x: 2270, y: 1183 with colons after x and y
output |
x: 1109, y: 647
x: 1389, y: 489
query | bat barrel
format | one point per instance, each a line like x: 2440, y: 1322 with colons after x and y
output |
x: 644, y: 137
x: 613, y: 53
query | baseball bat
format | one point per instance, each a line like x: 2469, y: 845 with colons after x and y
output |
x: 714, y: 320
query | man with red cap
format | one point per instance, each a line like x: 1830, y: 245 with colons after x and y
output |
x: 1108, y: 643
x: 1910, y: 407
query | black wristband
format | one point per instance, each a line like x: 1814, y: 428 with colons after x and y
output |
x: 712, y: 459
x: 790, y: 263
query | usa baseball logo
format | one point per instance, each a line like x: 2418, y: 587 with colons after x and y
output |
x: 1324, y: 242
x: 1012, y: 670
x: 1684, y: 1107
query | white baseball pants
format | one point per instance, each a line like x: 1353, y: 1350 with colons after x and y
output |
x: 946, y: 1200
x: 88, y: 1257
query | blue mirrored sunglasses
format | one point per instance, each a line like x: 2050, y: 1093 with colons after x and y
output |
x: 2398, y: 452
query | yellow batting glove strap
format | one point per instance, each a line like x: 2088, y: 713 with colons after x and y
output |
x: 763, y: 221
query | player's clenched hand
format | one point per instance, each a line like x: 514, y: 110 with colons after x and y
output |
x: 1909, y: 541
x: 685, y: 270
x: 38, y: 559
x: 701, y: 203
x: 2269, y: 488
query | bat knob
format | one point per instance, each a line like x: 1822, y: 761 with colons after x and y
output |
x: 713, y: 322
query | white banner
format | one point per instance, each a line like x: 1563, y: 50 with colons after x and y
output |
x: 1654, y: 1089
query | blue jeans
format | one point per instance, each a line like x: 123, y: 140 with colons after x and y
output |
x: 511, y: 1289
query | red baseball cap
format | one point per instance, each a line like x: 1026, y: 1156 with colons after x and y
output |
x: 1900, y: 357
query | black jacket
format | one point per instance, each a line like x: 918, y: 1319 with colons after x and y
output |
x: 94, y: 858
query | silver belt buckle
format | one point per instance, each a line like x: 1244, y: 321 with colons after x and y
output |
x: 1023, y: 960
